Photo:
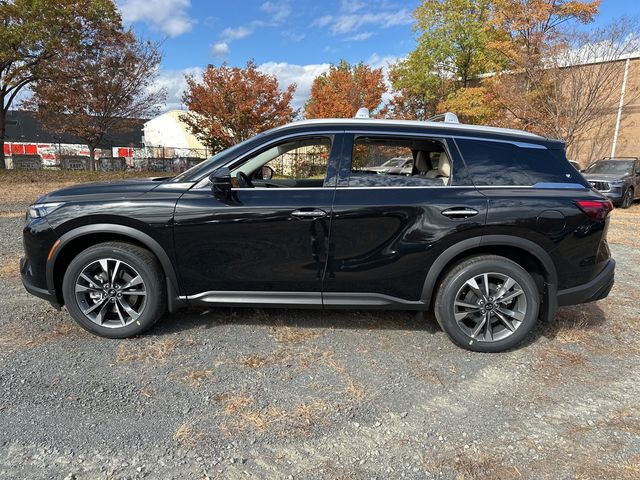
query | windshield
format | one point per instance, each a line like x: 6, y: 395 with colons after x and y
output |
x: 195, y: 171
x: 613, y: 167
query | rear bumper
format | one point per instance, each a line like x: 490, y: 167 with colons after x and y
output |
x: 32, y: 289
x: 596, y: 289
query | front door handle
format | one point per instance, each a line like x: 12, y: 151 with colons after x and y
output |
x: 462, y: 212
x: 309, y: 213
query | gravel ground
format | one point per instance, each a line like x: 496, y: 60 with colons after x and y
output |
x: 307, y: 394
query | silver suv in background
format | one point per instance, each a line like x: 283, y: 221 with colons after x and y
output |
x: 617, y: 178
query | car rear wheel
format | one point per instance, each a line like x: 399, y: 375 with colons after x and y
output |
x: 115, y: 289
x: 487, y: 303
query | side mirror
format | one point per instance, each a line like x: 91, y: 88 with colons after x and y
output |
x: 266, y: 173
x: 221, y: 183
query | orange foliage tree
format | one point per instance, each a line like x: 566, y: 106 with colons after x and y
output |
x: 231, y: 104
x: 344, y: 89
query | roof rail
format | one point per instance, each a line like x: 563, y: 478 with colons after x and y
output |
x: 447, y: 117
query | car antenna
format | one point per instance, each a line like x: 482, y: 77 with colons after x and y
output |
x: 362, y: 113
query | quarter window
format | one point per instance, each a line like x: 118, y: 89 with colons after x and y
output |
x: 378, y: 161
x: 507, y: 164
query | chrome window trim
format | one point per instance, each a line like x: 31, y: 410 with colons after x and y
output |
x: 438, y: 136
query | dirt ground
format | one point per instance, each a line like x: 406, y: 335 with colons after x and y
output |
x: 308, y: 394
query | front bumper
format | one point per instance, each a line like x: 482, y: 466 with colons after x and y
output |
x: 596, y: 289
x: 27, y: 281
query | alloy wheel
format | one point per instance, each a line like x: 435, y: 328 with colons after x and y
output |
x: 110, y: 293
x: 490, y: 307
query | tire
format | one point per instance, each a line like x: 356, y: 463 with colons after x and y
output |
x: 130, y: 305
x: 458, y: 297
x: 627, y: 200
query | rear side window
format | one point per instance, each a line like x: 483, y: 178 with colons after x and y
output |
x: 502, y: 163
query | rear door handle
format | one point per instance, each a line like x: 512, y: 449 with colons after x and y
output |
x: 309, y: 213
x: 461, y: 212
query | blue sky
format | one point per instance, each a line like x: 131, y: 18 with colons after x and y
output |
x: 294, y: 40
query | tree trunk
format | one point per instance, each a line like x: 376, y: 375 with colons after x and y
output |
x: 92, y: 158
x: 3, y: 113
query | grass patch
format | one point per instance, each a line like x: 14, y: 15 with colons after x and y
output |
x: 243, y: 415
x: 10, y: 265
x: 151, y: 351
x: 196, y: 377
x: 24, y: 186
x: 293, y: 335
x: 17, y: 335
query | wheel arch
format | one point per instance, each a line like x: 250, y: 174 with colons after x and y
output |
x: 534, y: 257
x: 80, y: 238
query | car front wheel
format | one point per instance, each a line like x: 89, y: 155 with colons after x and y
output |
x: 115, y: 289
x: 627, y: 200
x: 487, y: 303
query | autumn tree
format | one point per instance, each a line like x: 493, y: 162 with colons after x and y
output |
x: 474, y: 105
x: 345, y: 88
x: 452, y: 49
x: 578, y: 86
x: 231, y: 104
x: 532, y: 27
x: 33, y: 34
x: 100, y: 89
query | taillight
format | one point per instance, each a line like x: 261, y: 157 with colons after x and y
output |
x: 596, y: 209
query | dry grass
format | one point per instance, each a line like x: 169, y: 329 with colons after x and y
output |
x: 196, y: 377
x: 553, y: 364
x: 10, y: 265
x: 149, y: 351
x: 23, y: 186
x: 8, y: 214
x: 243, y: 416
x: 473, y: 465
x: 572, y: 325
x: 293, y: 335
x: 188, y: 434
x: 17, y: 335
x: 624, y: 227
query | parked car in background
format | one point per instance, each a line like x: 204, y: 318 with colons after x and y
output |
x: 575, y: 165
x: 617, y: 178
x: 492, y: 230
x: 395, y: 166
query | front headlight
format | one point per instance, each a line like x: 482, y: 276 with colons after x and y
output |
x: 39, y: 210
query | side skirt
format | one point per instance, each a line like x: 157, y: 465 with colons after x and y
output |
x: 333, y: 300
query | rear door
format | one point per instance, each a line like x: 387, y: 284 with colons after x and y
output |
x: 387, y: 230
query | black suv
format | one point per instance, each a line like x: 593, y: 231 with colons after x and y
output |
x: 493, y: 228
x: 617, y: 178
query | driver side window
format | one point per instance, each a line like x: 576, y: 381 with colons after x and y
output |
x: 301, y: 162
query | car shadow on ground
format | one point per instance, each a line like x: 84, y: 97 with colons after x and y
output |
x: 569, y: 322
x: 299, y: 318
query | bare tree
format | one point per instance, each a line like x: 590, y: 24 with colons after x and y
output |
x: 576, y: 86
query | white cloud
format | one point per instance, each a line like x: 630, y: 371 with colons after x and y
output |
x: 350, y: 22
x: 351, y: 6
x: 279, y: 11
x: 236, y: 33
x: 174, y: 83
x: 358, y: 37
x: 301, y: 75
x: 168, y: 16
x: 220, y: 49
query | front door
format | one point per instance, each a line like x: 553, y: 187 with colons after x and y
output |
x: 268, y: 241
x: 389, y: 225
